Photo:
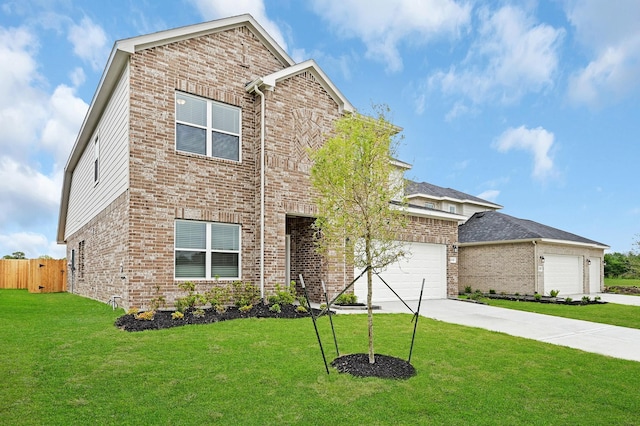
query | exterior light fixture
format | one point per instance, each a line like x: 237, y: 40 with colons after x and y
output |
x: 588, y: 261
x: 455, y: 248
x: 541, y: 259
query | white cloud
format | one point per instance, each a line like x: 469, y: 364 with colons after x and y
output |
x: 212, y: 9
x: 66, y: 112
x: 489, y: 195
x: 610, y: 32
x: 21, y: 108
x: 32, y: 244
x: 382, y: 25
x: 536, y: 141
x: 28, y: 196
x: 89, y: 42
x: 512, y: 56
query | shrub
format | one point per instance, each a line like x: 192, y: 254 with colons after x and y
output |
x: 491, y: 291
x: 568, y: 300
x: 585, y: 300
x: 275, y: 308
x: 219, y: 297
x: 146, y: 316
x: 245, y: 308
x: 597, y: 298
x: 191, y: 299
x: 198, y: 313
x: 537, y: 296
x: 467, y: 289
x: 347, y: 299
x: 284, y: 296
x: 177, y: 315
x: 301, y: 309
x: 554, y: 293
x: 133, y: 311
x: 245, y: 294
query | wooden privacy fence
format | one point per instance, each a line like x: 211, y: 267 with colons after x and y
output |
x: 35, y: 275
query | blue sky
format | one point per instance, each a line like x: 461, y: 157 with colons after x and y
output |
x: 534, y: 105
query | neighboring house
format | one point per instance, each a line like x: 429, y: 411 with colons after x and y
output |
x: 506, y: 254
x: 192, y: 164
x: 435, y: 197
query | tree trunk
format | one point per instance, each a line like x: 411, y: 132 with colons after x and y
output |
x: 372, y: 359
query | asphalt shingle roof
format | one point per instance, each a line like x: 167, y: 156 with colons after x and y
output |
x: 440, y: 192
x: 495, y: 226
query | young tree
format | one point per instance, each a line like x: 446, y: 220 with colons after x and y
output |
x: 353, y: 176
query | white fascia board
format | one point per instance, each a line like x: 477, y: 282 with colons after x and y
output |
x: 400, y: 164
x: 455, y: 200
x: 269, y: 82
x: 573, y: 243
x: 434, y: 214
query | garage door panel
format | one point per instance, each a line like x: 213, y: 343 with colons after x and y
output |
x: 563, y: 273
x: 426, y: 261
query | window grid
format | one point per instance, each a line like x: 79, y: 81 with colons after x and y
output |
x: 210, y: 129
x: 209, y: 250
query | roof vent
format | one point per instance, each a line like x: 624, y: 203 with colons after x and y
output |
x: 481, y: 214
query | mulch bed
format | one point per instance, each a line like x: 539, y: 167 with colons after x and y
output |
x: 386, y: 367
x: 162, y: 319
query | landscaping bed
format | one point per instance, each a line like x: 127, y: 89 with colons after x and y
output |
x: 163, y: 318
x: 620, y: 289
x: 537, y: 298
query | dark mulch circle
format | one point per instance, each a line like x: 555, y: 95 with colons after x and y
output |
x: 386, y: 367
x: 162, y: 319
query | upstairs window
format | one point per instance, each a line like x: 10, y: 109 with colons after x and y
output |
x: 452, y: 208
x: 429, y: 205
x: 207, y: 250
x: 207, y: 127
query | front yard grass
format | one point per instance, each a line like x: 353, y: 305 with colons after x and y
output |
x: 608, y: 313
x: 622, y: 282
x: 62, y: 362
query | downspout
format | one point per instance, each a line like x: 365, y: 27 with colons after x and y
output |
x: 262, y: 184
x: 535, y: 266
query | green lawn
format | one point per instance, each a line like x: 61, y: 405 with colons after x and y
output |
x: 63, y: 363
x: 609, y: 313
x: 624, y: 282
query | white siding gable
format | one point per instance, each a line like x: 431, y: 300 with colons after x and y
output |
x: 86, y: 197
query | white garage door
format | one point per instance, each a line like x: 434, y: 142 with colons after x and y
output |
x: 562, y: 273
x: 428, y: 261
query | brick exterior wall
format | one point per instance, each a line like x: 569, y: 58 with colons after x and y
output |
x: 105, y: 242
x: 166, y: 185
x: 508, y: 268
x: 516, y: 267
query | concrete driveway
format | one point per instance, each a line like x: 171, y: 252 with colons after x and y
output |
x: 614, y: 341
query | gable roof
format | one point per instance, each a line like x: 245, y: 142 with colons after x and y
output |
x: 116, y: 64
x: 269, y: 82
x: 496, y: 227
x: 428, y: 190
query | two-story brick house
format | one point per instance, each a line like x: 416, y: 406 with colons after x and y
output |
x: 192, y: 164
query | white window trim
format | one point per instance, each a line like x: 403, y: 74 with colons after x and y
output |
x: 452, y: 208
x: 96, y: 161
x: 209, y: 128
x: 208, y: 250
